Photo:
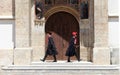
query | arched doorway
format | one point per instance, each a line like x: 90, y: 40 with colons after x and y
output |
x: 62, y: 24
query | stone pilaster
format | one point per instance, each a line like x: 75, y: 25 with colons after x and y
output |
x: 22, y: 22
x: 101, y: 52
x: 22, y: 52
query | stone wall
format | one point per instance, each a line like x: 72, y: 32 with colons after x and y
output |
x: 6, y: 7
x: 6, y: 57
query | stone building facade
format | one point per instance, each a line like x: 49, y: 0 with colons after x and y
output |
x: 24, y: 41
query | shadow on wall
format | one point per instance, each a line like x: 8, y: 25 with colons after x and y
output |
x: 86, y: 38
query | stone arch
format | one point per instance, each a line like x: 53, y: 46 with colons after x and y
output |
x: 62, y: 8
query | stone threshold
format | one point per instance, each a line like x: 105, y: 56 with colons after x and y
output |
x: 60, y: 66
x: 49, y: 62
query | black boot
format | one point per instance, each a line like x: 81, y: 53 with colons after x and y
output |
x: 68, y: 59
x: 44, y: 58
x: 55, y: 60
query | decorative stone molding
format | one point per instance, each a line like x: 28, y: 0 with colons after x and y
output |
x: 62, y: 8
x: 39, y: 22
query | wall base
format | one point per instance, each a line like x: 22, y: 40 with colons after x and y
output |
x: 22, y: 56
x: 6, y: 56
x: 101, y: 56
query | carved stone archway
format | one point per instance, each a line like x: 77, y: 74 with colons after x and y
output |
x: 62, y: 8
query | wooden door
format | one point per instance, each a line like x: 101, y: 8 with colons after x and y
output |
x: 62, y: 24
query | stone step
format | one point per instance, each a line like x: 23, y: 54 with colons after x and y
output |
x: 62, y: 63
x: 60, y: 67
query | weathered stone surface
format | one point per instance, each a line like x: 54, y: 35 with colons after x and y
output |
x: 6, y: 7
x: 38, y: 42
x: 6, y: 56
x: 100, y: 21
x: 101, y: 56
x: 22, y: 15
x: 101, y: 52
x: 22, y: 56
x: 38, y: 53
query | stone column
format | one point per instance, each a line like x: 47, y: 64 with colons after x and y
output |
x: 101, y: 52
x: 22, y: 52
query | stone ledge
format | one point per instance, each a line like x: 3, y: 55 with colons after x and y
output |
x: 73, y: 62
x: 7, y: 18
x: 61, y: 67
x: 24, y: 48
